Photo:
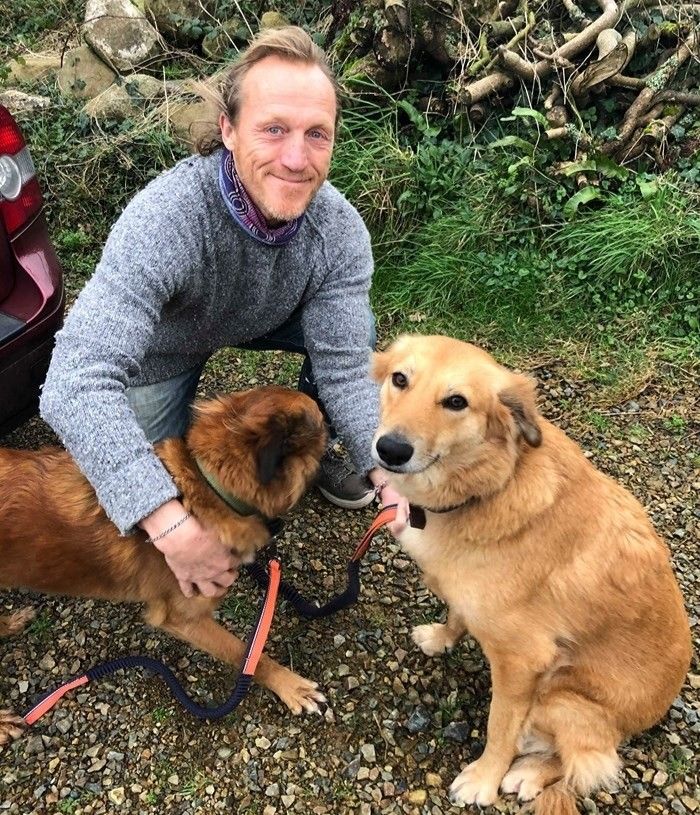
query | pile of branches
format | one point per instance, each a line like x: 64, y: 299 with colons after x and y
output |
x: 563, y: 54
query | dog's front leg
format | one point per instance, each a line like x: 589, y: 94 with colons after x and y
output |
x: 191, y: 620
x: 513, y: 685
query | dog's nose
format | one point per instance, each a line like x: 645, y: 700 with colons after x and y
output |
x: 394, y: 449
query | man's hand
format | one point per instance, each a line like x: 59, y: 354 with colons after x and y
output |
x: 194, y: 553
x: 388, y: 495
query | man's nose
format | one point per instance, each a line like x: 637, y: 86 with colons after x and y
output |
x: 294, y: 153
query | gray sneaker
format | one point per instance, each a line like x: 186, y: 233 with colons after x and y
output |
x: 339, y: 483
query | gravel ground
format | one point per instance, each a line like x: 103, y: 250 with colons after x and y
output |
x: 399, y: 725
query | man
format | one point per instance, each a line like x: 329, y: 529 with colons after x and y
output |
x: 243, y: 245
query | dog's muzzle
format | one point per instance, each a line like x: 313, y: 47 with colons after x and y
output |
x: 393, y: 450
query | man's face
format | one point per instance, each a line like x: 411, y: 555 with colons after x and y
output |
x: 282, y: 139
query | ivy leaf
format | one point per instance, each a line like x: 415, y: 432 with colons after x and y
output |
x: 531, y: 113
x: 648, y: 189
x: 583, y: 196
x: 515, y: 141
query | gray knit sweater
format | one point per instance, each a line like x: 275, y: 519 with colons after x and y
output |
x: 178, y: 280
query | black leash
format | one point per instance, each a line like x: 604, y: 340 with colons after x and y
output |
x: 255, y: 645
x: 312, y: 610
x: 270, y: 579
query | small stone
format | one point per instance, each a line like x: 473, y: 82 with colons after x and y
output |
x: 418, y: 720
x: 352, y: 769
x: 224, y: 752
x: 433, y: 780
x: 174, y: 780
x: 368, y: 753
x: 457, y: 731
x: 273, y: 791
x: 418, y: 797
x: 64, y: 725
x: 660, y: 779
x: 690, y: 803
x: 263, y: 743
x: 117, y: 796
x: 47, y: 663
x: 693, y: 679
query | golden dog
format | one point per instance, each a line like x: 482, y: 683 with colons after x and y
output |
x: 262, y: 446
x: 549, y: 564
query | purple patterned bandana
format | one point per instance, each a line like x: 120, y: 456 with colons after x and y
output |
x: 244, y: 210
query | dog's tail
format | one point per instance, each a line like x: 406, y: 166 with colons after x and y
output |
x: 556, y: 799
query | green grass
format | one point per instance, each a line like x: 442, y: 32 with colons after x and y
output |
x: 41, y: 626
x: 162, y: 714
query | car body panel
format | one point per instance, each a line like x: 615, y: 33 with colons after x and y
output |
x: 32, y: 301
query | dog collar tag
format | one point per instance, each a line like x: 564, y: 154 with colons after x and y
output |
x: 416, y: 517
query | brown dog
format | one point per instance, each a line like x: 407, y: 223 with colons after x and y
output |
x: 549, y: 564
x: 263, y: 446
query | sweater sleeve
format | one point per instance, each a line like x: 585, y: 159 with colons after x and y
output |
x: 337, y: 329
x: 148, y: 255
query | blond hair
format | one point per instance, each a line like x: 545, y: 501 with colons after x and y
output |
x: 290, y: 43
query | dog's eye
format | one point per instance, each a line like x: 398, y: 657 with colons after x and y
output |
x: 399, y: 380
x: 455, y: 402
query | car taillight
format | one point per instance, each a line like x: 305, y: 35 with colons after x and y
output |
x: 20, y: 196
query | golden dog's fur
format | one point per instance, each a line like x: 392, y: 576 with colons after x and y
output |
x: 262, y: 445
x: 550, y: 565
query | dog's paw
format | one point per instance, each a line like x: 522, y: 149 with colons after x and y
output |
x: 525, y: 778
x: 11, y: 727
x: 474, y: 785
x: 299, y: 694
x: 17, y: 621
x: 432, y: 639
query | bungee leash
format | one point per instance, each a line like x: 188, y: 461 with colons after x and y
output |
x: 254, y: 650
x: 270, y: 579
x: 313, y: 610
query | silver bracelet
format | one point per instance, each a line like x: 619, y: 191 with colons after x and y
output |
x: 169, y: 529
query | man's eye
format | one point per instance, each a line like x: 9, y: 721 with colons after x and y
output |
x: 274, y: 130
x: 399, y: 380
x: 455, y: 402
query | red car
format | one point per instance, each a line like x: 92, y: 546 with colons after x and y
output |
x: 31, y: 282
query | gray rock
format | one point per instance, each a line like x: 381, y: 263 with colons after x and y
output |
x: 457, y: 731
x: 418, y: 720
x: 120, y: 34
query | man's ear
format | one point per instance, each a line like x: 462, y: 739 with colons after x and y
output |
x: 270, y: 455
x: 519, y: 398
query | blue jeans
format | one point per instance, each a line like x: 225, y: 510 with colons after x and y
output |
x: 163, y: 408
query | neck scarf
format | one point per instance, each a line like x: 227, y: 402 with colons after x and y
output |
x: 244, y: 211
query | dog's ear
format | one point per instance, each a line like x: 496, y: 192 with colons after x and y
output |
x: 380, y: 365
x: 383, y: 362
x: 270, y: 454
x: 519, y: 398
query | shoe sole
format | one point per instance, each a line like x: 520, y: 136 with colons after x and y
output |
x: 347, y: 503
